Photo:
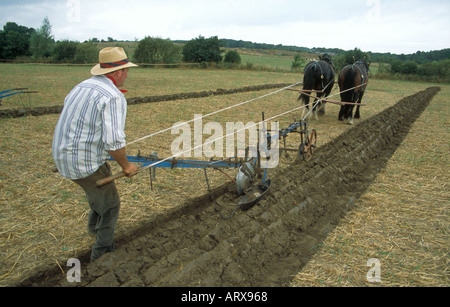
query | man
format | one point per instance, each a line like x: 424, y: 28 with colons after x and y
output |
x: 90, y: 130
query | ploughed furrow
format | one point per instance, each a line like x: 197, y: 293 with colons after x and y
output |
x: 270, y: 243
x: 40, y: 111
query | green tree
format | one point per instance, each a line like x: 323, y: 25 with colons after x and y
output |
x: 15, y: 41
x: 396, y: 66
x: 429, y: 69
x: 409, y: 67
x: 87, y: 53
x: 65, y: 51
x: 232, y: 57
x: 157, y: 51
x: 298, y: 63
x: 349, y: 57
x: 42, y: 41
x: 404, y: 67
x: 203, y: 50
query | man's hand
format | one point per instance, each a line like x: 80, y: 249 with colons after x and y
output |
x: 121, y: 157
x: 130, y: 169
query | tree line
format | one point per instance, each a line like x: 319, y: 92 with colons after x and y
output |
x: 431, y: 66
x: 18, y: 41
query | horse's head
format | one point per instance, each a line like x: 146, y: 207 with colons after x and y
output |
x: 365, y: 63
x: 327, y: 58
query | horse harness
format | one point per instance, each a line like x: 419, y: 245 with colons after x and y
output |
x: 360, y: 70
x: 322, y: 76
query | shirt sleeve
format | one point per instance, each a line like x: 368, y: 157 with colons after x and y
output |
x: 114, y: 116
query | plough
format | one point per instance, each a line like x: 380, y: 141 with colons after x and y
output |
x: 252, y: 182
x: 308, y: 139
x: 14, y: 91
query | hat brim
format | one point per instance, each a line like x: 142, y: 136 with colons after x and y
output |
x: 98, y: 71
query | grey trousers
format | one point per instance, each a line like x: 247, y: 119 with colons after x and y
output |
x: 105, y: 206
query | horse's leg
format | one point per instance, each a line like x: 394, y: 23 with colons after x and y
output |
x: 326, y: 93
x: 315, y: 108
x: 349, y: 116
x: 358, y: 114
x: 306, y: 108
x: 322, y: 108
x: 312, y: 114
x: 342, y: 113
x: 324, y: 104
x: 351, y: 107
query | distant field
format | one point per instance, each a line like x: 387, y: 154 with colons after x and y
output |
x: 273, y: 62
x: 268, y: 59
x: 53, y: 82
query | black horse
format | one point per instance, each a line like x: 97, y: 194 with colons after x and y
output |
x: 353, y: 80
x: 319, y: 76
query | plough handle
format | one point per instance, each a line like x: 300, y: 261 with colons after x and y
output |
x: 110, y: 179
x: 106, y: 180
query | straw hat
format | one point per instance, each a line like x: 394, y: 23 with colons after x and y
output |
x: 111, y: 59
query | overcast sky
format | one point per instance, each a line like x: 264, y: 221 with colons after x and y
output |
x: 396, y: 26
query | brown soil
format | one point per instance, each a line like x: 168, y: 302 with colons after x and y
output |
x: 268, y: 244
x: 39, y: 111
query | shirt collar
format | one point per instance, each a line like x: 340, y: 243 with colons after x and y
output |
x: 114, y: 81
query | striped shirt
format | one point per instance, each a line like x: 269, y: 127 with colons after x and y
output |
x: 91, y: 124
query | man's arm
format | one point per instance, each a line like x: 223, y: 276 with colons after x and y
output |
x: 121, y: 157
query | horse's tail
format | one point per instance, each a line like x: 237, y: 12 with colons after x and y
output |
x: 308, y: 81
x: 349, y: 82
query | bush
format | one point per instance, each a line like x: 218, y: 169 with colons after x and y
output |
x: 404, y: 67
x: 65, y: 51
x: 298, y: 63
x: 157, y: 51
x: 232, y: 57
x: 201, y: 50
x: 86, y: 53
x: 437, y: 71
x: 348, y: 58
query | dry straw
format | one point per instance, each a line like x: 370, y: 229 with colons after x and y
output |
x: 402, y: 219
x: 43, y: 217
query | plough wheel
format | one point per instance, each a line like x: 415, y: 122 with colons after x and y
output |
x: 310, y: 146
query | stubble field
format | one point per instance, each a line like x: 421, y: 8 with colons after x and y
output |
x: 43, y: 216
